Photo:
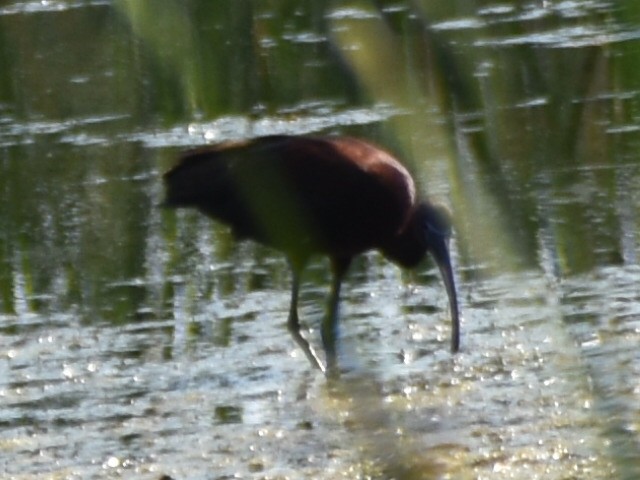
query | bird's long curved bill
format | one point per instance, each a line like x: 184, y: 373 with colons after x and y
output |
x: 440, y: 251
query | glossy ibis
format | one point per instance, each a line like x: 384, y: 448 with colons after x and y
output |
x: 303, y: 195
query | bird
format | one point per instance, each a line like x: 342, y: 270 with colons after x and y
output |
x: 308, y: 195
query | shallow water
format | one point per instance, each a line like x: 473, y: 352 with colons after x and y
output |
x: 532, y: 393
x: 137, y: 343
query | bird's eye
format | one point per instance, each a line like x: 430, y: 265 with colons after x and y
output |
x: 439, y: 230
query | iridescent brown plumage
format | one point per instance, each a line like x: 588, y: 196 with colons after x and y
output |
x: 337, y: 196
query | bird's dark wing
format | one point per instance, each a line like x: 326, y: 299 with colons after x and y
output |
x: 356, y: 194
x: 333, y: 195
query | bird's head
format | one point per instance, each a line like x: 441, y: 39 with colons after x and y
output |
x: 436, y: 227
x: 429, y: 230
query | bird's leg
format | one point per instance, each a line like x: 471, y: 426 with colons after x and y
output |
x: 293, y: 323
x: 330, y: 323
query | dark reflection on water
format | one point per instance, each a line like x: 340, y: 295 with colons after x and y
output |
x: 139, y: 342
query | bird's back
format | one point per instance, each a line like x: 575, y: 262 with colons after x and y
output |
x: 300, y: 194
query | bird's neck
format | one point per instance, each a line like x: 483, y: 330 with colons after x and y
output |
x: 408, y: 247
